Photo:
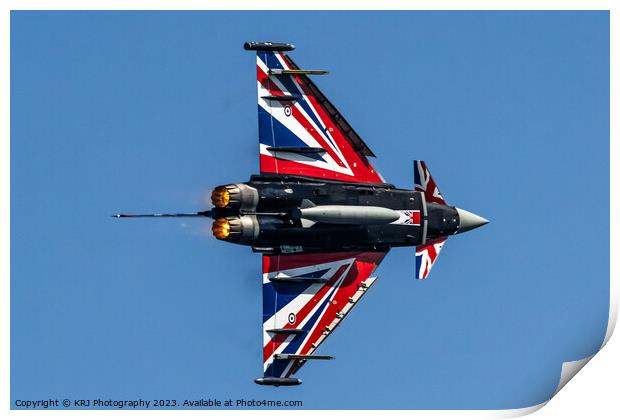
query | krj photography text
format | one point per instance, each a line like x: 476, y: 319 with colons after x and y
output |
x: 142, y: 404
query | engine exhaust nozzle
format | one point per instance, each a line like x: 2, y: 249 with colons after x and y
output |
x: 221, y: 228
x: 220, y: 197
x: 242, y: 229
x: 235, y: 196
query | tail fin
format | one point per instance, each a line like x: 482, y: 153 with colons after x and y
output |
x: 425, y: 183
x: 426, y: 255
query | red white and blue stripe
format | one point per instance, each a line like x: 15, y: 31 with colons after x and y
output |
x: 425, y: 183
x: 302, y: 122
x: 408, y: 217
x: 315, y: 308
x: 426, y: 255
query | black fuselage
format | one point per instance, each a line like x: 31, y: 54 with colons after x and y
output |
x: 265, y: 214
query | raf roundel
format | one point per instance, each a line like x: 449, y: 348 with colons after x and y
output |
x: 292, y: 318
x: 288, y: 111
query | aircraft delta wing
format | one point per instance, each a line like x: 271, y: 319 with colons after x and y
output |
x: 305, y: 297
x: 300, y: 131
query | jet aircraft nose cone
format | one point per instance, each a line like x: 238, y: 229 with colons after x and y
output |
x: 469, y: 220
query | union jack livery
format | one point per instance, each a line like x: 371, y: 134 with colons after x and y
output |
x: 425, y: 183
x: 299, y: 131
x: 299, y: 314
x: 320, y: 214
x: 425, y: 256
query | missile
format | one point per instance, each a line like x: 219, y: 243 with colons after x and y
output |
x: 338, y: 214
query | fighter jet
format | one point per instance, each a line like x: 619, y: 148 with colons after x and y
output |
x: 320, y: 214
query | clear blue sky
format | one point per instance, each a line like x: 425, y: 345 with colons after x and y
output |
x: 147, y: 111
